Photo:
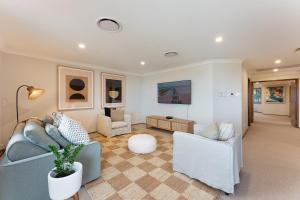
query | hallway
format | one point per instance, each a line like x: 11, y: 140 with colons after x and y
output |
x: 272, y: 119
x: 271, y: 164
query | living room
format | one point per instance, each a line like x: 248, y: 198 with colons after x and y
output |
x: 43, y: 44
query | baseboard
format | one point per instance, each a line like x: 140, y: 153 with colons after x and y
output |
x: 245, y: 132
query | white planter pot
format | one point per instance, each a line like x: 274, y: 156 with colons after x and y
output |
x: 65, y: 187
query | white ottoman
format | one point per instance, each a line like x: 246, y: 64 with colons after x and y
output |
x: 142, y: 143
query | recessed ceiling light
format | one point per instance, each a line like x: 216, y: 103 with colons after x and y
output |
x: 143, y: 63
x: 110, y: 25
x: 275, y: 70
x: 219, y: 39
x: 81, y: 46
x: 277, y: 61
x: 171, y: 54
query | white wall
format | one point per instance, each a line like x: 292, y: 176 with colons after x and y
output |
x: 201, y: 109
x: 18, y: 70
x: 208, y: 81
x: 245, y: 78
x: 271, y: 108
x: 227, y: 77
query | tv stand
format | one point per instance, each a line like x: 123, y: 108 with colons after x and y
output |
x: 174, y: 124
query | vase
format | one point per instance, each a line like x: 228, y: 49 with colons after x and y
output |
x: 65, y: 187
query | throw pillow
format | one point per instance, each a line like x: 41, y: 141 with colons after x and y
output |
x: 54, y: 133
x: 47, y: 120
x: 73, y: 131
x: 226, y: 131
x: 211, y: 132
x: 57, y: 116
x: 117, y: 115
x: 36, y: 134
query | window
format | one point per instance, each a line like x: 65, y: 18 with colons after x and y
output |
x: 257, y: 95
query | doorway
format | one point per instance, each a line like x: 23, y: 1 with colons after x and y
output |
x: 275, y: 101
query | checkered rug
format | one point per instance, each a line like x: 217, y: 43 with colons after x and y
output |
x: 129, y: 176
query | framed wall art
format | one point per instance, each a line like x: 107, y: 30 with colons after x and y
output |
x: 75, y: 88
x: 113, y: 90
x: 275, y: 94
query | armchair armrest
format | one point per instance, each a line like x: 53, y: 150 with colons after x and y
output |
x: 127, y: 118
x: 104, y: 125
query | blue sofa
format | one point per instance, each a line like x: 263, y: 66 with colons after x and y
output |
x: 26, y: 179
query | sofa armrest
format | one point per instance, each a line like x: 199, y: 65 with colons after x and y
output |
x: 29, y: 176
x: 104, y: 125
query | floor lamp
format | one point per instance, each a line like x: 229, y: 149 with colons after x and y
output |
x: 33, y: 93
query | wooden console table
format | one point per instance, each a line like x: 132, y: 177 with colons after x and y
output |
x: 170, y: 124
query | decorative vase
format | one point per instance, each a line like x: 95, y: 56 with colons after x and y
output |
x: 65, y: 187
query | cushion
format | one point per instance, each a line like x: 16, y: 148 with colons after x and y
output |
x: 47, y: 120
x: 211, y: 132
x: 19, y: 147
x: 73, y: 131
x: 36, y: 134
x: 118, y: 124
x: 226, y: 131
x: 57, y: 116
x: 117, y: 115
x: 54, y: 133
x: 107, y: 112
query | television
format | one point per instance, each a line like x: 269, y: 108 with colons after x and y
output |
x: 177, y: 92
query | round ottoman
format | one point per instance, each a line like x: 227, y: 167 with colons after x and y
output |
x: 142, y: 143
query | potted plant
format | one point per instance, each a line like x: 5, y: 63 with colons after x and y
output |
x: 65, y: 179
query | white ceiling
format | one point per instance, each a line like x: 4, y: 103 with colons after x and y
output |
x: 258, y: 31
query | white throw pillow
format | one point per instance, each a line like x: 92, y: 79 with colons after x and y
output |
x: 73, y: 131
x: 211, y: 132
x: 226, y: 131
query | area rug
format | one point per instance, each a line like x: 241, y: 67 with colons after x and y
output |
x: 130, y: 176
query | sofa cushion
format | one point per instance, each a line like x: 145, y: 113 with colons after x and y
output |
x: 211, y: 132
x: 73, y: 131
x: 226, y: 131
x: 19, y: 147
x: 117, y: 115
x: 36, y: 134
x: 118, y: 124
x: 54, y: 133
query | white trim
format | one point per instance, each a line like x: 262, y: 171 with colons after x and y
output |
x: 60, y: 61
x: 192, y: 65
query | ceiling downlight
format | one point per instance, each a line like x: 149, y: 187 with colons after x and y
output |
x: 109, y: 25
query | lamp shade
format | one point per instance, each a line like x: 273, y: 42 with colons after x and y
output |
x: 34, y: 93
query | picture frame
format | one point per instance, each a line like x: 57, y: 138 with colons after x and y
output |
x: 275, y: 95
x: 75, y: 88
x: 257, y: 95
x: 113, y: 90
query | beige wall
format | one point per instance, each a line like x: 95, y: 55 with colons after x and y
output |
x: 1, y: 89
x: 18, y: 70
x: 245, y: 77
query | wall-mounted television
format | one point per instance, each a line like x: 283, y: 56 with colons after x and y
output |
x: 177, y: 92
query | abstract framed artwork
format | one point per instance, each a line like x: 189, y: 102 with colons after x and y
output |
x: 113, y: 90
x: 75, y: 88
x: 275, y: 94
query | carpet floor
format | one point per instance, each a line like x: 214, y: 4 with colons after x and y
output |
x: 130, y: 176
x: 271, y: 164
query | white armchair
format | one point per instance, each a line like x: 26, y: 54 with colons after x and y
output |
x: 108, y: 128
x: 216, y: 163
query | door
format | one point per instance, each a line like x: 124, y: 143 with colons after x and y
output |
x: 294, y: 103
x: 250, y: 103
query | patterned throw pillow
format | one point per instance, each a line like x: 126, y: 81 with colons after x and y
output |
x: 73, y: 131
x: 57, y: 116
